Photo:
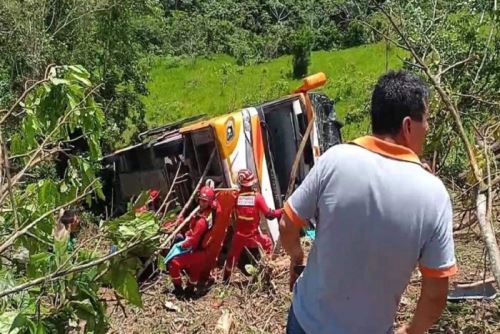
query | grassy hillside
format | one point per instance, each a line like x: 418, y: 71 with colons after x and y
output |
x: 180, y: 88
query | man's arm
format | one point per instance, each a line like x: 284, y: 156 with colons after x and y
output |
x: 194, y: 239
x: 437, y: 264
x: 261, y: 205
x: 290, y: 240
x: 430, y: 305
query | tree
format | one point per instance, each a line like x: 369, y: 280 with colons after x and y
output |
x: 453, y: 44
x: 301, y: 52
x: 46, y: 286
x: 110, y: 38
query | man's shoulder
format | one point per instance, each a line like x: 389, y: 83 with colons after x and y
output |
x: 432, y: 184
x: 340, y: 151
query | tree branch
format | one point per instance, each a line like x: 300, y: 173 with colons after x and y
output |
x: 464, y: 61
x: 35, y: 159
x: 21, y: 98
x: 477, y: 98
x: 13, y: 237
x: 62, y: 273
x: 444, y: 97
x: 6, y: 164
x: 481, y: 205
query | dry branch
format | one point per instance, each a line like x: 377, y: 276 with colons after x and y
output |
x: 181, y: 214
x: 483, y: 188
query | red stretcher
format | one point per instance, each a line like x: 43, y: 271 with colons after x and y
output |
x: 214, y: 239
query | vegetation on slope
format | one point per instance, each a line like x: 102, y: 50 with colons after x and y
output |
x: 217, y: 85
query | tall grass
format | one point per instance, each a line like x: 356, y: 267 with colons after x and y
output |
x: 216, y: 85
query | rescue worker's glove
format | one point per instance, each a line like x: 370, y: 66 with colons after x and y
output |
x: 178, y: 237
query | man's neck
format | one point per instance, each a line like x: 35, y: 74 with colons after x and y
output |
x: 389, y: 139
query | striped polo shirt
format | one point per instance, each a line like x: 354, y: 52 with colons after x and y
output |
x: 379, y: 215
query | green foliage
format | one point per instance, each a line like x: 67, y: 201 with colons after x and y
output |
x: 110, y: 38
x: 254, y: 31
x: 356, y: 34
x: 219, y: 85
x: 122, y: 277
x: 51, y: 113
x: 133, y: 226
x: 301, y: 52
x: 458, y: 41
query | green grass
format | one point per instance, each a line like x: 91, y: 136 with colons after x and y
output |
x: 180, y: 88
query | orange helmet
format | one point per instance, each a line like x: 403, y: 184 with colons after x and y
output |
x: 207, y: 194
x: 246, y: 178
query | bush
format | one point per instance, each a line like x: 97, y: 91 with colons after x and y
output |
x: 301, y: 52
x: 356, y: 34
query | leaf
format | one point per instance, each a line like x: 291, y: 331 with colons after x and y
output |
x: 63, y: 188
x: 58, y: 81
x: 81, y: 79
x: 48, y: 194
x: 17, y: 145
x: 95, y: 149
x: 171, y: 306
x: 141, y: 200
x: 39, y: 265
x: 161, y: 264
x: 78, y: 69
x: 19, y: 323
x: 40, y: 328
x: 251, y: 269
x: 126, y: 285
x: 225, y: 322
x: 99, y: 191
x: 85, y: 311
x: 72, y: 101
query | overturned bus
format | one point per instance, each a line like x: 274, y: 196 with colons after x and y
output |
x: 263, y: 138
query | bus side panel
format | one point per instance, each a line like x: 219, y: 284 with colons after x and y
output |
x: 236, y: 158
x: 314, y: 132
x: 262, y: 171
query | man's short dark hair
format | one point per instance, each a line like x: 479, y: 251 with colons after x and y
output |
x: 68, y: 217
x: 397, y: 95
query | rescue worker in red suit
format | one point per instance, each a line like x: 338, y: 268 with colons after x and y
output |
x: 198, y: 227
x: 249, y: 205
x: 152, y: 203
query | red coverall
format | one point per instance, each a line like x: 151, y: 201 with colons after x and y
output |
x: 191, y: 262
x: 249, y: 206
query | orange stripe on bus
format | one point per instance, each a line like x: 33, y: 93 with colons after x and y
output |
x: 257, y: 146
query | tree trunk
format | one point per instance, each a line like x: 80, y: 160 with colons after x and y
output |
x: 488, y: 234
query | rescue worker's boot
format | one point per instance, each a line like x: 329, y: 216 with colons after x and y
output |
x: 189, y: 291
x: 210, y: 281
x: 178, y: 290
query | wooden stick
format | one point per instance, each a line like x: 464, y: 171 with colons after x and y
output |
x: 295, y: 169
x: 474, y: 284
x: 169, y: 191
x: 298, y: 156
x: 181, y: 214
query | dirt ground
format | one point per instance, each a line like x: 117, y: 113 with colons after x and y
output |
x: 260, y: 304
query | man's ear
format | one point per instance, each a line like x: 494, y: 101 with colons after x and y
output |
x: 406, y: 128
